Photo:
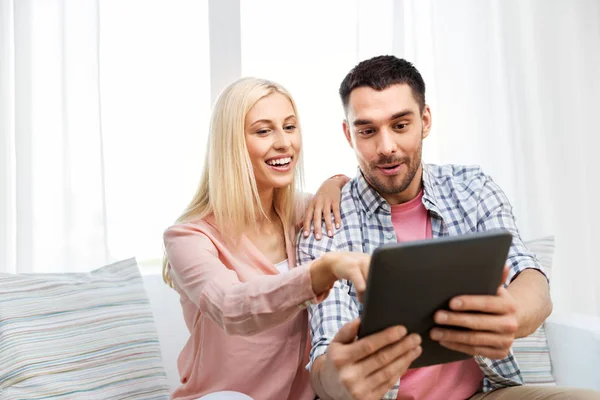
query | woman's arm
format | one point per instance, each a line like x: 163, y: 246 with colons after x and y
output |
x: 246, y: 308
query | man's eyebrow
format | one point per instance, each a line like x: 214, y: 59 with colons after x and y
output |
x: 359, y: 122
x: 400, y: 114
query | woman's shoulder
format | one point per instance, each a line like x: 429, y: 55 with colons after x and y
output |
x: 203, y: 228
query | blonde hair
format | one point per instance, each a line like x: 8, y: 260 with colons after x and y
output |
x: 227, y: 187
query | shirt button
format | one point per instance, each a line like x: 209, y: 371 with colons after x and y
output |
x: 389, y: 236
x: 304, y: 305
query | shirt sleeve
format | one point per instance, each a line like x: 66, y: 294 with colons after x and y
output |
x: 339, y: 308
x: 241, y: 308
x: 495, y: 212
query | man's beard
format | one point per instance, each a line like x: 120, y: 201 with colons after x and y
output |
x: 388, y: 188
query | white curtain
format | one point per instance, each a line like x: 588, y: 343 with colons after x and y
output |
x: 103, y: 116
x: 512, y: 84
x: 514, y: 87
x: 52, y: 211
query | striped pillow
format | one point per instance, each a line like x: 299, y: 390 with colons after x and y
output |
x: 88, y: 336
x: 532, y: 352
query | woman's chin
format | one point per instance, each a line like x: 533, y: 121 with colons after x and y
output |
x: 277, y: 183
x: 282, y: 183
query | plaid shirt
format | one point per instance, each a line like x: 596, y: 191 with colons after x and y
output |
x: 460, y: 200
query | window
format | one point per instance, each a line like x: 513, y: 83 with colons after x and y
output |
x: 155, y: 98
x: 308, y: 47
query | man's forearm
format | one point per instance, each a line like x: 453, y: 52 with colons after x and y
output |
x: 530, y: 290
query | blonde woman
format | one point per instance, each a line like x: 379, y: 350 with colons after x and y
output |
x: 231, y: 255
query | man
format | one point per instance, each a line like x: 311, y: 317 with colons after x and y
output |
x: 394, y: 197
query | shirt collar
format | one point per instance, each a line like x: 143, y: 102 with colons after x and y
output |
x: 371, y: 201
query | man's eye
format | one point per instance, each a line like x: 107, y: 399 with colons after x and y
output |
x: 400, y: 126
x: 366, y: 131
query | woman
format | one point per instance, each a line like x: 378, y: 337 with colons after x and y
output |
x: 231, y: 254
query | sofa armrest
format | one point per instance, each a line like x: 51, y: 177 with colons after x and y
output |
x: 574, y: 342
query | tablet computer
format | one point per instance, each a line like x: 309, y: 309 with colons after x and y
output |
x: 409, y: 282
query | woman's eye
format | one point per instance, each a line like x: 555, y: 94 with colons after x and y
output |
x: 262, y: 131
x: 290, y: 127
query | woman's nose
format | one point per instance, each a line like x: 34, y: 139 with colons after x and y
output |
x: 282, y: 139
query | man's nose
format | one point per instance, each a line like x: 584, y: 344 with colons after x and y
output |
x: 386, y: 145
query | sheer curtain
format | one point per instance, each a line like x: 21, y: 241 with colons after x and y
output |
x: 104, y: 111
x: 513, y: 87
x: 103, y: 116
x: 52, y: 208
x: 155, y: 86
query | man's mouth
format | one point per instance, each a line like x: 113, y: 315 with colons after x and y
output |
x: 390, y: 169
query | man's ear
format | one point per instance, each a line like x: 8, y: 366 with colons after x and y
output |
x: 347, y: 133
x: 426, y: 119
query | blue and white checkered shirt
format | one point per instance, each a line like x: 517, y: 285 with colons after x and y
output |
x: 460, y: 200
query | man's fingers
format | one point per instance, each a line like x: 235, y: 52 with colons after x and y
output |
x: 487, y: 304
x: 347, y: 333
x: 375, y: 385
x: 371, y: 344
x: 489, y: 352
x: 387, y: 376
x: 471, y: 338
x: 388, y: 355
x: 504, y: 276
x: 327, y: 218
x: 477, y: 322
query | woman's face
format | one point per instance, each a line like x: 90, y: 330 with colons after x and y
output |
x: 273, y: 141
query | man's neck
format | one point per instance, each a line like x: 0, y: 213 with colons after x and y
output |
x: 409, y: 193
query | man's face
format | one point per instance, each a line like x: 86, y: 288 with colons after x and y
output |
x: 386, y: 130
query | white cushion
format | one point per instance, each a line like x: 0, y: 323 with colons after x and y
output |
x: 172, y: 331
x: 532, y: 352
x: 74, y: 336
x: 226, y: 396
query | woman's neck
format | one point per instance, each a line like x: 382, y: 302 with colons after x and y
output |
x: 268, y: 206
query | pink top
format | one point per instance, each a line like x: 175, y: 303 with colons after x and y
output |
x: 458, y: 380
x: 248, y: 332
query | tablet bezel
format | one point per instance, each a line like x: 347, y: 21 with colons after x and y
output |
x: 387, y: 284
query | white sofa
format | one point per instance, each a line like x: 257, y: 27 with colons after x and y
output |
x: 574, y: 340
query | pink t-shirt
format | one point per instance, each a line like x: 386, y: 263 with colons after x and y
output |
x: 457, y: 380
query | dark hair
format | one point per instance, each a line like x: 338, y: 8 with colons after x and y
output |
x: 381, y: 72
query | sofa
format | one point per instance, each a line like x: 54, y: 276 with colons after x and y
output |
x: 115, y: 333
x: 574, y: 340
